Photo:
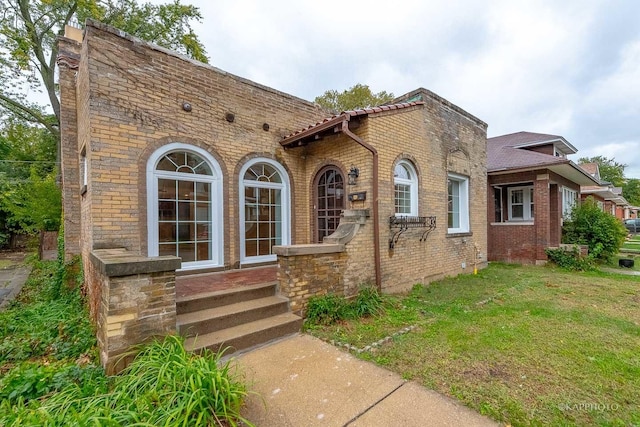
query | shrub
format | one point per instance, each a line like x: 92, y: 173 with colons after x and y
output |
x: 32, y: 380
x: 325, y: 309
x: 328, y: 309
x: 571, y: 260
x: 368, y: 302
x: 589, y: 225
x: 164, y: 385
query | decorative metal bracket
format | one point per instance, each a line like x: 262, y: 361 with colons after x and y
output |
x: 402, y: 223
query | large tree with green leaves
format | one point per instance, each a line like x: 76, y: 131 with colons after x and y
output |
x: 631, y: 191
x: 610, y: 170
x: 28, y: 32
x: 29, y: 197
x: 358, y: 96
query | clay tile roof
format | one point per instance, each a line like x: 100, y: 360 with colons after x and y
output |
x: 338, y: 118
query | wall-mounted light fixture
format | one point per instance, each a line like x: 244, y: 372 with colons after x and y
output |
x: 353, y: 174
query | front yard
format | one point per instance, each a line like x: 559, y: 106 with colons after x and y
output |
x: 523, y: 345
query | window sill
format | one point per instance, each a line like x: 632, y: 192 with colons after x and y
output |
x: 513, y: 223
x: 460, y: 234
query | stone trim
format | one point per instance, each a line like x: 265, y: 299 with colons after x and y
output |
x: 350, y: 222
x: 119, y: 262
x: 310, y: 249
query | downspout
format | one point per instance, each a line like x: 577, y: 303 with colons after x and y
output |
x: 376, y: 222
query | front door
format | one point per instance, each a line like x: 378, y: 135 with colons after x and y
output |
x: 329, y: 202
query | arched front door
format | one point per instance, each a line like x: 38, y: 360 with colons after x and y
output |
x: 329, y: 201
x: 184, y: 196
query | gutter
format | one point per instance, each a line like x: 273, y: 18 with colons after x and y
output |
x: 376, y: 223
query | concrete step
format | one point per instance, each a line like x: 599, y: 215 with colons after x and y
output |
x: 227, y: 316
x: 247, y: 335
x: 209, y: 300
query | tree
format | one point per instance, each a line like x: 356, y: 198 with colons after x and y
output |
x: 29, y: 198
x: 610, y: 170
x: 28, y: 32
x: 358, y: 96
x: 631, y: 191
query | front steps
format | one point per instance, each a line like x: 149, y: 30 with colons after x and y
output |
x: 235, y: 319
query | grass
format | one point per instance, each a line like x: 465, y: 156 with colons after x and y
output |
x: 632, y: 244
x: 523, y: 345
x: 50, y: 375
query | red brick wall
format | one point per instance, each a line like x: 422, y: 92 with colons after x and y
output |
x: 513, y: 242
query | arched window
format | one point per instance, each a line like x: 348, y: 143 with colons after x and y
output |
x: 405, y: 181
x: 264, y: 210
x: 184, y: 205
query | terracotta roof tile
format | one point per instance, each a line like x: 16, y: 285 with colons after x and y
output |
x: 352, y: 113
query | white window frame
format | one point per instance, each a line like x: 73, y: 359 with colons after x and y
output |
x: 412, y: 182
x: 463, y: 201
x: 527, y: 202
x: 569, y: 201
x: 217, y: 199
x: 285, y: 196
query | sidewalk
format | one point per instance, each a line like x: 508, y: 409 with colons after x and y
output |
x: 12, y: 279
x: 302, y: 381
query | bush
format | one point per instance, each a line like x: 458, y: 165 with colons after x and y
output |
x: 589, y: 225
x: 571, y: 260
x: 328, y: 309
x: 325, y: 309
x: 164, y: 385
x: 32, y: 380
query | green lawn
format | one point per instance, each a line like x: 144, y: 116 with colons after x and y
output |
x: 633, y: 244
x: 523, y: 345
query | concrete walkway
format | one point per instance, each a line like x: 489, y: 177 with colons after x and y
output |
x: 303, y: 381
x: 12, y: 278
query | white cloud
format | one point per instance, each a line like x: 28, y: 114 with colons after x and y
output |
x: 563, y: 67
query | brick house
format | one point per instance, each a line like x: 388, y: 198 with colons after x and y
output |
x: 531, y: 187
x: 608, y: 197
x: 173, y: 168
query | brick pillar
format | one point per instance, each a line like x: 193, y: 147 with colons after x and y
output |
x: 134, y: 300
x: 542, y: 215
x: 555, y: 212
x: 68, y: 60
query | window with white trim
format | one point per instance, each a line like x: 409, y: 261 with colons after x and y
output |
x: 185, y: 205
x: 521, y: 203
x: 264, y: 210
x: 569, y: 200
x: 405, y: 182
x: 457, y: 204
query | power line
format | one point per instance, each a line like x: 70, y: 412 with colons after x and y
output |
x: 29, y: 161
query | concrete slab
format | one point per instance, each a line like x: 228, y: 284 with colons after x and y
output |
x: 11, y: 281
x: 302, y: 381
x: 414, y: 405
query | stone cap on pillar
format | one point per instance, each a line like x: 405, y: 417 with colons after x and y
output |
x: 118, y: 262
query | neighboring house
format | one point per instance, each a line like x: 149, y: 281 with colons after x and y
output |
x: 608, y: 197
x: 170, y: 164
x: 531, y: 187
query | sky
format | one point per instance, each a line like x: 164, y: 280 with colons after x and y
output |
x: 561, y: 67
